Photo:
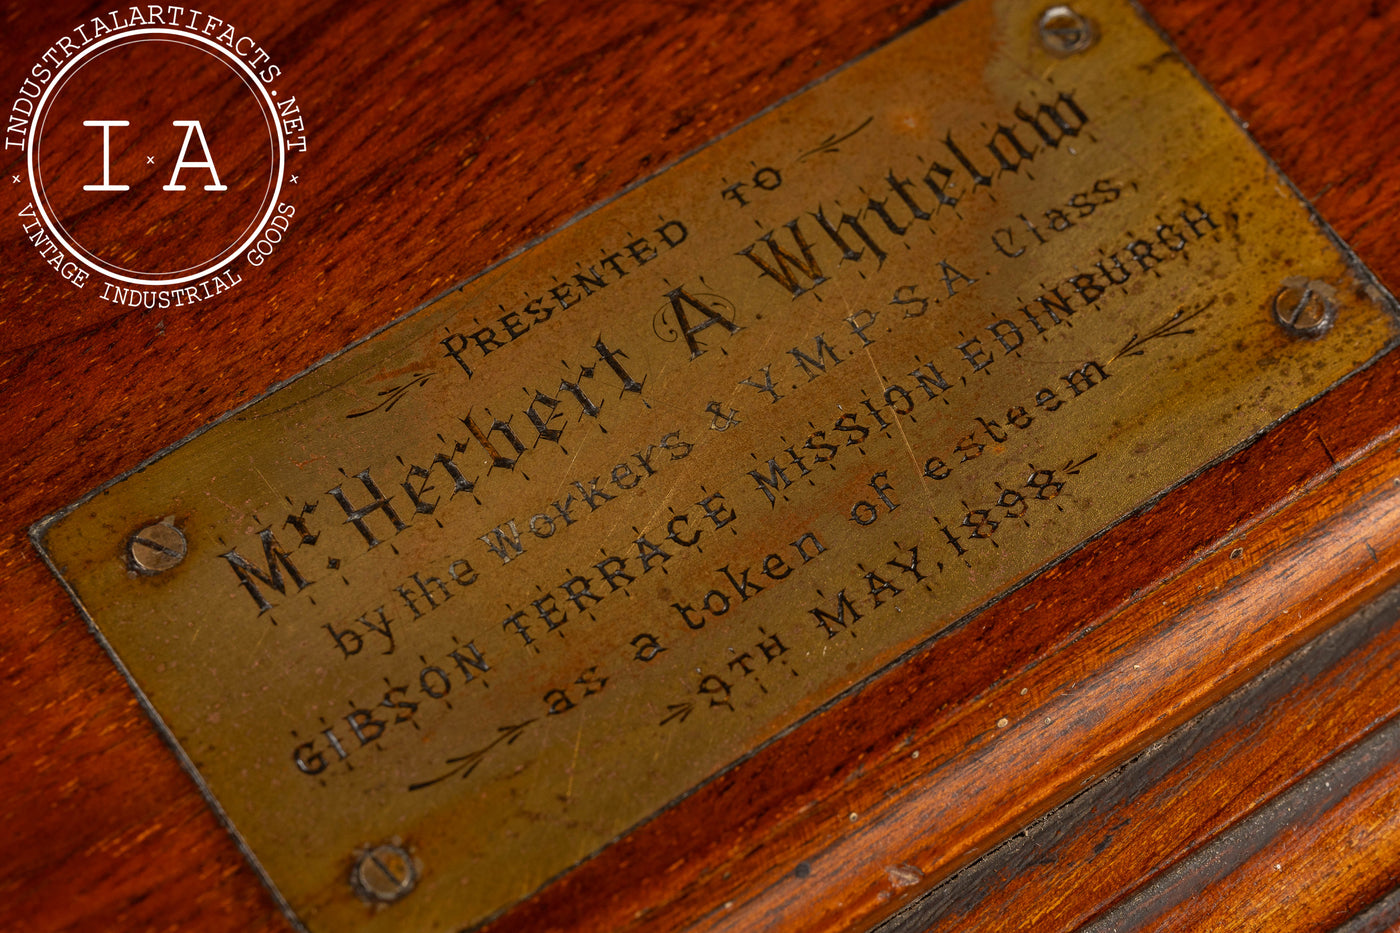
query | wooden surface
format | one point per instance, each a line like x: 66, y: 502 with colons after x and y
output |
x: 444, y: 140
x: 1240, y: 810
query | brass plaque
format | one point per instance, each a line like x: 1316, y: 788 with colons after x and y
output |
x: 459, y: 606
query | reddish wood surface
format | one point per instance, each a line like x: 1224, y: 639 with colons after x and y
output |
x: 1108, y: 682
x: 445, y: 140
x: 1250, y: 781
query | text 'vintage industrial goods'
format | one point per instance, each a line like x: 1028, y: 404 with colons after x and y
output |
x: 459, y: 606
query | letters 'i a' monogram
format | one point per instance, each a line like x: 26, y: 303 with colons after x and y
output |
x: 192, y: 130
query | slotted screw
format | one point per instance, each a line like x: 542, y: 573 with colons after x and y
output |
x: 384, y: 874
x: 1064, y: 31
x: 1305, y: 309
x: 156, y: 548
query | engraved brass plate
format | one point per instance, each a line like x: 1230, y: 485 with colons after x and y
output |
x: 499, y: 583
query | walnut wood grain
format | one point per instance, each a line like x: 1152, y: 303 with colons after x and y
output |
x: 444, y: 140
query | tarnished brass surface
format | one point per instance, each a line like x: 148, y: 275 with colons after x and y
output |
x: 707, y: 457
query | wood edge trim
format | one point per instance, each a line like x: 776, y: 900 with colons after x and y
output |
x: 1177, y: 650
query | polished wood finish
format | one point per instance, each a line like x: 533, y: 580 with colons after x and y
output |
x: 1240, y: 804
x: 899, y: 785
x: 444, y: 140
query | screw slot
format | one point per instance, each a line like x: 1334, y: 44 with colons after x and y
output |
x: 1064, y: 31
x: 384, y: 874
x: 156, y: 548
x: 1304, y: 308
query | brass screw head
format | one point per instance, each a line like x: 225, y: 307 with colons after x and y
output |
x: 1064, y: 31
x: 384, y: 874
x: 1304, y: 308
x: 157, y: 548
